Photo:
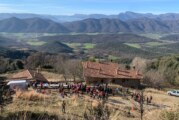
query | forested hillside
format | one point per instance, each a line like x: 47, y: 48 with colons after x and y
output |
x: 169, y: 67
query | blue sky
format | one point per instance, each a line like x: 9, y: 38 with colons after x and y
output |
x: 69, y: 7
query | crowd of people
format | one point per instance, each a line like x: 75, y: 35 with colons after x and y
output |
x: 97, y: 91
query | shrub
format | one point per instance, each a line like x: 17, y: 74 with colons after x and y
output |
x: 99, y: 112
x: 170, y: 115
x: 31, y: 96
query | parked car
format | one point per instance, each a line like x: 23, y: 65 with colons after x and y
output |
x: 18, y: 84
x: 173, y: 93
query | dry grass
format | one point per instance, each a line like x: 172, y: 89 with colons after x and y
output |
x: 50, y: 76
x: 30, y: 96
x: 162, y: 98
x: 75, y: 108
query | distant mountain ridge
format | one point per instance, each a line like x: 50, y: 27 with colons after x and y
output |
x: 69, y: 18
x: 38, y: 25
x: 103, y: 25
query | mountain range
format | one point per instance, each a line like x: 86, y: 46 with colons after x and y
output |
x: 38, y: 25
x: 91, y: 25
x: 69, y: 18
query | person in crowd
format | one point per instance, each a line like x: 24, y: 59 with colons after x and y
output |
x: 63, y: 107
x: 150, y: 100
x: 147, y: 100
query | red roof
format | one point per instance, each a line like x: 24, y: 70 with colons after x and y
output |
x: 30, y: 75
x: 108, y: 70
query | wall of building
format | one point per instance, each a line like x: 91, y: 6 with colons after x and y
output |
x: 133, y: 83
x: 97, y: 80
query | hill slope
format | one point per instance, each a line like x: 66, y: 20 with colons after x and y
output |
x: 174, y: 37
x: 13, y: 54
x: 37, y: 25
x: 100, y: 38
x: 55, y: 47
x: 6, y: 42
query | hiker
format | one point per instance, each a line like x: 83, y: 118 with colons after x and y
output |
x: 117, y: 91
x: 41, y: 85
x: 63, y: 94
x: 127, y: 90
x: 150, y: 100
x: 147, y: 100
x: 139, y: 99
x: 63, y: 106
x: 112, y: 92
x: 132, y: 95
x: 1, y: 95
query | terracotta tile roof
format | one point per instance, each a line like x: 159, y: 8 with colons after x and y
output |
x: 30, y: 75
x: 108, y: 70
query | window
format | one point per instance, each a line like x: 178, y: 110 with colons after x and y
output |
x: 113, y: 81
x: 123, y: 81
x: 102, y: 81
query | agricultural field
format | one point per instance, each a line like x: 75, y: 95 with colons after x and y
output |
x: 73, y: 45
x: 152, y: 35
x: 135, y: 45
x: 154, y: 44
x: 88, y: 45
x: 112, y: 57
x: 98, y: 44
x: 36, y: 43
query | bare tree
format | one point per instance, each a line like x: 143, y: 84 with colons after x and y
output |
x: 139, y: 63
x: 153, y: 78
x: 75, y: 69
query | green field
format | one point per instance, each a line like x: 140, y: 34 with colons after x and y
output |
x: 151, y: 35
x: 36, y: 43
x: 73, y: 45
x: 134, y: 45
x: 89, y: 45
x: 154, y: 44
x: 111, y: 57
x: 81, y: 45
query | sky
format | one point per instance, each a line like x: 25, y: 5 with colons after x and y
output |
x: 70, y: 7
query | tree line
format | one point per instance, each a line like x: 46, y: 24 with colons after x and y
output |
x: 61, y: 64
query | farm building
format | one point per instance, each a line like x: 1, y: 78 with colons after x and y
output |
x: 105, y: 73
x: 30, y: 76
